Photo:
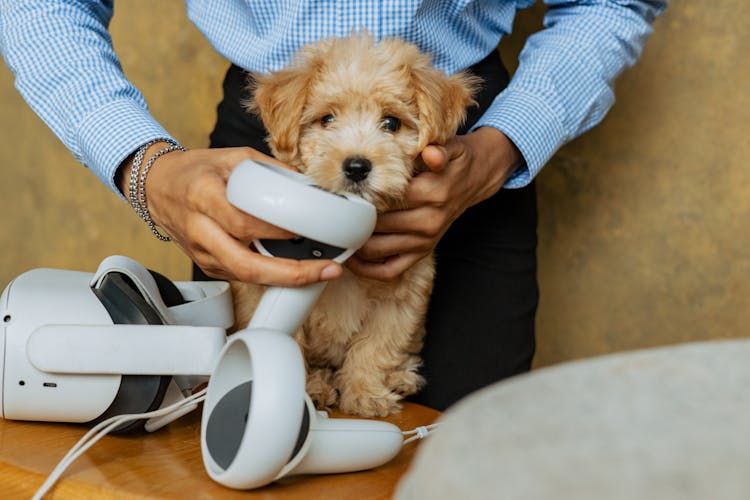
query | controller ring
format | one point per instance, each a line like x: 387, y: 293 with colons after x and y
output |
x: 278, y: 196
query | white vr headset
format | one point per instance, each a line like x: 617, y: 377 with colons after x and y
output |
x: 75, y: 348
x: 82, y: 347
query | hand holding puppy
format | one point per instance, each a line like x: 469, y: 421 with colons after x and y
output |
x: 186, y: 193
x: 466, y: 170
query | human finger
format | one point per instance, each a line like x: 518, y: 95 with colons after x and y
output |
x: 211, y: 200
x: 243, y: 264
x: 231, y: 157
x: 382, y: 246
x: 425, y: 221
x: 437, y: 157
x: 390, y: 269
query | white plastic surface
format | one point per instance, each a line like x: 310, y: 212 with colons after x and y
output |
x: 140, y: 277
x: 284, y: 309
x: 288, y: 200
x: 40, y: 297
x: 210, y: 302
x: 5, y: 319
x: 173, y: 395
x: 274, y: 363
x: 348, y: 445
x: 125, y: 349
x: 28, y: 393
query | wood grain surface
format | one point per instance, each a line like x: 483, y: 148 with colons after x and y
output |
x: 168, y: 464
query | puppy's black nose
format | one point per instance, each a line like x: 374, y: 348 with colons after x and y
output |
x: 356, y: 168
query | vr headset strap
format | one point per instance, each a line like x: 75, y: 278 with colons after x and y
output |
x: 208, y: 303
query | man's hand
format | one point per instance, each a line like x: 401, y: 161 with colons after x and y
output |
x: 186, y: 196
x: 467, y: 170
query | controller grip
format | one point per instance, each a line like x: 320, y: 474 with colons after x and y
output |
x: 348, y: 445
x: 283, y: 309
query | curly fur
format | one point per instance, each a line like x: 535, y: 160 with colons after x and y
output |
x: 362, y: 340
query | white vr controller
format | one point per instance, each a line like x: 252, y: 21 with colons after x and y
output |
x: 258, y: 422
x: 330, y: 227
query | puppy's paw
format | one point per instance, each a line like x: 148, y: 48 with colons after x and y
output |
x: 404, y: 382
x: 379, y: 403
x: 320, y: 388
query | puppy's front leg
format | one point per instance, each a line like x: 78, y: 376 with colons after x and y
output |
x: 380, y: 366
x: 320, y: 387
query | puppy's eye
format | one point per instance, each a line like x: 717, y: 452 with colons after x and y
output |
x: 326, y: 120
x: 390, y: 124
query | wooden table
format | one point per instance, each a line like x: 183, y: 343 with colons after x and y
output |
x: 168, y: 464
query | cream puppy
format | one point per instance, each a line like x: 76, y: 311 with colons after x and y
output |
x: 354, y: 114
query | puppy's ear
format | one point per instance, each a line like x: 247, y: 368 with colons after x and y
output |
x: 441, y: 101
x: 279, y: 98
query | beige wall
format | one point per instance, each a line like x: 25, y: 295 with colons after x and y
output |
x: 645, y: 221
x: 644, y: 231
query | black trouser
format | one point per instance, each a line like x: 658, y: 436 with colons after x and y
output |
x: 480, y: 322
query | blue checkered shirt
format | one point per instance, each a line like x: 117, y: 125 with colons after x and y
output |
x: 66, y: 69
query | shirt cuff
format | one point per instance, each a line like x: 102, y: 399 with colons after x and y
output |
x: 531, y: 124
x: 112, y: 133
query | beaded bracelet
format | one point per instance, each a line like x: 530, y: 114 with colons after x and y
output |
x: 140, y: 202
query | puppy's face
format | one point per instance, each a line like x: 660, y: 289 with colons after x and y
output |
x: 354, y: 115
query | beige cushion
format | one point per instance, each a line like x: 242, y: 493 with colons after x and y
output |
x: 670, y: 424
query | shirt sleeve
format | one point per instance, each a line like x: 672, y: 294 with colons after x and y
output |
x: 65, y: 67
x: 564, y: 84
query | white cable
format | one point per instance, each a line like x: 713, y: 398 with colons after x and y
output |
x: 420, y: 432
x: 102, y: 429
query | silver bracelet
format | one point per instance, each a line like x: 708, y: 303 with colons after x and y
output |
x: 141, y: 203
x: 135, y: 171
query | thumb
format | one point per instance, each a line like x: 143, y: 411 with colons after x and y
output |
x: 435, y: 157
